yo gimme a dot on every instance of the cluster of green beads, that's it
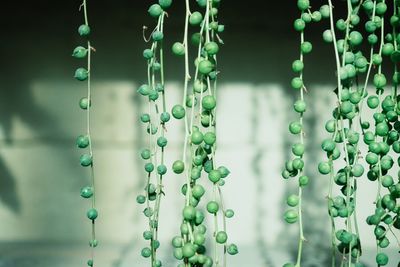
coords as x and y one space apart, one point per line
84 141
295 167
198 111
385 136
347 126
155 120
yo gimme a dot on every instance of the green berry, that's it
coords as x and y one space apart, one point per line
316 16
149 167
295 127
140 199
224 171
381 8
387 49
82 141
325 11
145 154
146 252
178 166
299 25
300 106
81 74
198 191
297 83
382 259
195 18
87 192
148 54
384 242
86 160
165 3
144 90
210 138
79 52
229 213
165 117
355 98
297 65
189 213
211 48
292 200
178 49
161 169
93 243
379 80
291 216
157 36
328 145
327 36
147 235
208 102
346 107
221 237
357 170
373 102
178 254
212 207
162 141
382 129
298 149
188 250
232 249
303 5
84 30
306 47
303 180
355 38
155 10
177 242
178 112
92 214
205 67
199 239
196 39
197 137
387 181
84 103
324 168
199 86
377 59
214 176
341 25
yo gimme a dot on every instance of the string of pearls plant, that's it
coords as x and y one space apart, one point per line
198 112
155 120
354 69
84 141
295 167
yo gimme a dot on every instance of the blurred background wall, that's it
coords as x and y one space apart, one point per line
40 176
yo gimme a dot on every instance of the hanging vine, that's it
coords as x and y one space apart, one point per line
198 111
155 120
349 124
84 141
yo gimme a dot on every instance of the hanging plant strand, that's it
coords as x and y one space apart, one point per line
295 167
155 120
349 124
84 141
198 111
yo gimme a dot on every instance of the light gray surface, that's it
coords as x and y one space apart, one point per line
68 255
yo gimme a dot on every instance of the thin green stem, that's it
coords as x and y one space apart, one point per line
88 109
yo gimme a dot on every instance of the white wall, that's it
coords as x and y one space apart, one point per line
252 132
